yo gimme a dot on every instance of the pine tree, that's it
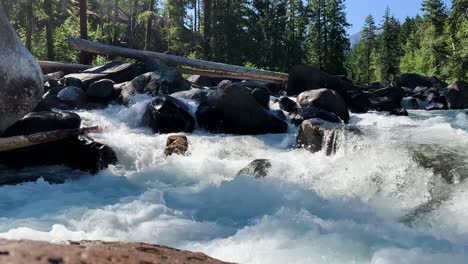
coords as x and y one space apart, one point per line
389 52
457 66
175 14
327 39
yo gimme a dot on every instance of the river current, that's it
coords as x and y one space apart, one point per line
384 197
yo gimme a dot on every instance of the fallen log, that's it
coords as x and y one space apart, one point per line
242 72
61 66
11 143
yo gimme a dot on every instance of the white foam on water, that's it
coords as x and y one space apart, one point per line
312 208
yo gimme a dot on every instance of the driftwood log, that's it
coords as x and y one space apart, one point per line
11 143
61 66
239 71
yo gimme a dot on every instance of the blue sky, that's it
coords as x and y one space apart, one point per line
358 10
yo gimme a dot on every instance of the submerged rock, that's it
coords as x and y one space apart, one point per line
21 81
327 100
166 114
197 95
457 95
451 164
34 252
233 109
177 144
258 168
288 105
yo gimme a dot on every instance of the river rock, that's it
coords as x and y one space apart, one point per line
42 122
177 144
325 99
21 81
457 95
80 153
412 81
194 94
116 71
162 82
288 105
50 101
73 96
262 97
166 114
316 135
306 77
258 168
101 91
233 109
94 252
72 81
313 112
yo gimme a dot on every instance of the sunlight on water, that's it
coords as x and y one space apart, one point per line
312 208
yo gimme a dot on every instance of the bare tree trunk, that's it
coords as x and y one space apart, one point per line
4 5
84 57
242 72
29 24
133 24
206 27
149 25
49 29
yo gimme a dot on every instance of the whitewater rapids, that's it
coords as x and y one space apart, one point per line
310 209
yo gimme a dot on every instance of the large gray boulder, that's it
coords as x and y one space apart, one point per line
21 81
325 99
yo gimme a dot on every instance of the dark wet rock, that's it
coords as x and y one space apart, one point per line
262 97
224 83
233 109
197 95
391 93
176 145
71 81
73 96
80 153
288 105
166 114
205 81
319 135
305 77
411 80
101 91
449 163
21 81
42 122
162 82
412 103
457 95
116 71
420 90
313 112
51 101
258 168
325 99
94 252
360 101
399 112
269 87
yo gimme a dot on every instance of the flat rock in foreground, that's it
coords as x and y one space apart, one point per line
91 252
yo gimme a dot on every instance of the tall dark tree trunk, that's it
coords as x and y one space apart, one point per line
206 27
133 24
29 24
84 57
149 25
49 29
4 5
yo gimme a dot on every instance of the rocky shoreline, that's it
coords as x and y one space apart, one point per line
94 252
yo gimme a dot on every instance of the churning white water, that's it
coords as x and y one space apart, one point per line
312 208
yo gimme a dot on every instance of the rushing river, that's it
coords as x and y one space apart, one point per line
354 207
